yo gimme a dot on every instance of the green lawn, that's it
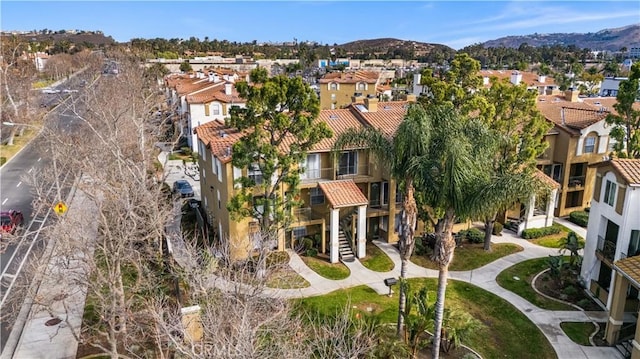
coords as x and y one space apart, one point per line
286 278
507 332
335 271
579 332
471 256
554 240
376 259
526 271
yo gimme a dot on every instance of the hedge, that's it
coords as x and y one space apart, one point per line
473 235
580 218
533 233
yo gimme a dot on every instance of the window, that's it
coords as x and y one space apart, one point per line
634 243
214 169
216 109
590 144
219 169
574 199
311 167
374 196
333 86
399 195
317 196
396 226
348 164
299 232
219 200
610 193
362 86
385 193
255 174
333 97
333 106
237 174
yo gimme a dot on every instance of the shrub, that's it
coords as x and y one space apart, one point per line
311 252
580 218
277 259
3 160
533 233
584 303
497 229
187 151
473 235
307 243
570 291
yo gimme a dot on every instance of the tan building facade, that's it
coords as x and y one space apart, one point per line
338 89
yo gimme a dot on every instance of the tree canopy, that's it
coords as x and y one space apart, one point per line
626 123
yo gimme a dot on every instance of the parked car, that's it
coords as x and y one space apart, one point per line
10 221
183 188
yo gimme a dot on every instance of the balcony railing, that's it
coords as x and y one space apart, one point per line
606 248
576 181
351 171
311 175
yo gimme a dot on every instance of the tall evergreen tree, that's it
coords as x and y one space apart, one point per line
626 123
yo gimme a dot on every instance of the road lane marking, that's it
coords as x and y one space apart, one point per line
39 158
30 169
19 183
5 201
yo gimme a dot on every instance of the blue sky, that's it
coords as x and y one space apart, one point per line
453 23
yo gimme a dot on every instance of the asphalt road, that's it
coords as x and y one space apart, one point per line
16 193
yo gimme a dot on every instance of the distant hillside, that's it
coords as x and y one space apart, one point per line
90 37
389 45
607 39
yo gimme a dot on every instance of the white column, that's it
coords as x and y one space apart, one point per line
333 234
362 231
551 205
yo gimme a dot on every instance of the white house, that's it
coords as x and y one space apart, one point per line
613 232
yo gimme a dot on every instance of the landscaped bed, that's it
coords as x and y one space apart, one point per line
321 265
376 259
580 332
507 332
555 240
470 256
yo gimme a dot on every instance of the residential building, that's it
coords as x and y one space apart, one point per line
634 52
345 199
543 85
200 98
611 265
337 89
578 139
609 86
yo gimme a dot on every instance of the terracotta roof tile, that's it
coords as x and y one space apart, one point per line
387 118
546 179
350 77
528 78
630 267
217 92
338 121
219 138
572 116
629 169
343 193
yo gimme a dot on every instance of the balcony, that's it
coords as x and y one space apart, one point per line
312 176
576 181
357 173
606 248
305 216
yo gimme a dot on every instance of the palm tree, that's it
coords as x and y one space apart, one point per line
398 151
451 173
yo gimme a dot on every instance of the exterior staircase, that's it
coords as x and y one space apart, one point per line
344 249
625 347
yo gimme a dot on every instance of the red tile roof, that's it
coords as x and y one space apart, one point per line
528 78
629 169
572 116
219 138
343 193
216 93
338 121
546 179
387 118
350 77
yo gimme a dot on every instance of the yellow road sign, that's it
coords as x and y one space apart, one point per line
60 208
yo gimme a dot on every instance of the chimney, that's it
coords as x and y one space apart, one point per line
357 98
215 77
516 77
210 76
542 78
485 80
571 95
371 104
227 89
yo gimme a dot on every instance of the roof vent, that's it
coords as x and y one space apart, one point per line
597 103
386 107
542 100
222 134
333 117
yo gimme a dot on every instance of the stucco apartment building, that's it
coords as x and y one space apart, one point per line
346 200
338 88
611 265
202 97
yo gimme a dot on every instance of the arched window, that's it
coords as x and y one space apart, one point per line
362 86
591 143
333 86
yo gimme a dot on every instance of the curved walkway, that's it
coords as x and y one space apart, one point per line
484 277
